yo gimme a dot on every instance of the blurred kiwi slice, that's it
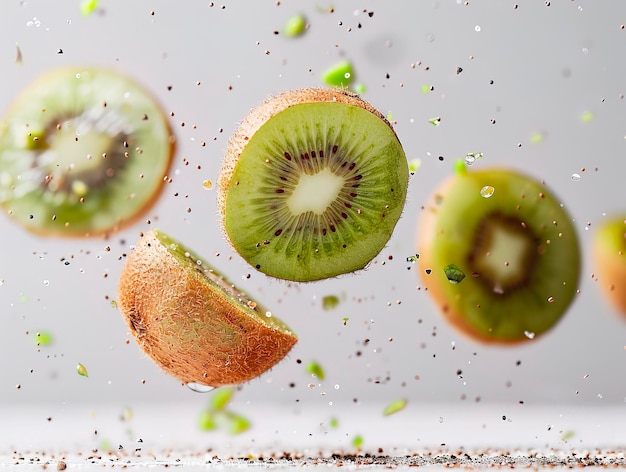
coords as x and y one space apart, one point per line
609 255
191 321
312 184
83 152
499 254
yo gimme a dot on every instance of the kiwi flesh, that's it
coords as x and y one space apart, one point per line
83 152
191 321
312 185
517 248
609 253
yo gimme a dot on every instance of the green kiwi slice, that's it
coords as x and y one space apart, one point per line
191 321
83 152
609 254
499 255
312 185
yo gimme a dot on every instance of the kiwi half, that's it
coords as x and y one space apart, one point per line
515 245
312 185
609 252
83 152
191 321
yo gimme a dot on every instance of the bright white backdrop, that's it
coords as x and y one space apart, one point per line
533 69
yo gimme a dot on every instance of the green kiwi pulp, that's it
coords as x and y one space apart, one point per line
312 185
191 321
83 152
515 245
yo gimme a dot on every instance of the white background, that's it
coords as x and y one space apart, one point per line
548 64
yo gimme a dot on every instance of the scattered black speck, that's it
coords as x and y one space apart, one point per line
60 51
441 158
459 70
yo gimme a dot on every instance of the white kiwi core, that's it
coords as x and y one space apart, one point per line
315 192
504 255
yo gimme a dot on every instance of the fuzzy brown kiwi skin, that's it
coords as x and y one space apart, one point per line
192 332
271 107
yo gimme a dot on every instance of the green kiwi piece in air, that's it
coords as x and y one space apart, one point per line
312 185
499 255
83 152
609 254
191 321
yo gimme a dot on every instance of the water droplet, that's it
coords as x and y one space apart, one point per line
477 28
207 184
487 191
199 388
585 50
575 177
529 334
347 75
600 396
441 419
472 157
336 386
550 299
46 283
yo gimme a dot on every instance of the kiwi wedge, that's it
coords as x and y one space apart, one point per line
83 152
498 254
312 185
609 253
191 321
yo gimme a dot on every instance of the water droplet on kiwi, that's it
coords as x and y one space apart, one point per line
487 191
199 388
529 334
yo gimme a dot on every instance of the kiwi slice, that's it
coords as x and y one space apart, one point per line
498 254
609 252
191 321
312 185
83 151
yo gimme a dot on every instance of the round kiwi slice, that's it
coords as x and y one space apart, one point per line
609 252
499 255
191 321
83 151
312 185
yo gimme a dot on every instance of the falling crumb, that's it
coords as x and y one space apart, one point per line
357 441
454 274
81 370
395 406
87 7
339 75
295 26
221 398
315 369
330 302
